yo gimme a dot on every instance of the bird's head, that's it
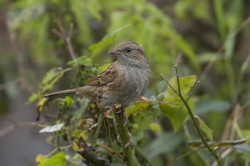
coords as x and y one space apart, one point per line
130 53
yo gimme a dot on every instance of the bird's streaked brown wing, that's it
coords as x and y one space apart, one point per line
106 77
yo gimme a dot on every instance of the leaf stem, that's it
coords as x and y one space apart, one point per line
199 130
191 114
99 125
108 133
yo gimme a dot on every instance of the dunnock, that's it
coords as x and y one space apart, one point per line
123 82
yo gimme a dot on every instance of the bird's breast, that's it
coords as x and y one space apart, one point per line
133 82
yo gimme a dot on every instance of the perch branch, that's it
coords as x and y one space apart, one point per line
124 136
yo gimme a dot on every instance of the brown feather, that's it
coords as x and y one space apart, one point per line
106 77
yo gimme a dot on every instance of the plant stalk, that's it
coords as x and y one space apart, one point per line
99 125
124 136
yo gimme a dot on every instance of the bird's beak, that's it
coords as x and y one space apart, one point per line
115 52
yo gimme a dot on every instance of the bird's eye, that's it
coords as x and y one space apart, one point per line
128 50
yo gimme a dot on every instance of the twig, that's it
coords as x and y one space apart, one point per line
146 161
192 115
242 72
210 64
24 83
8 84
193 90
112 151
169 84
108 132
185 154
88 153
13 126
99 125
66 37
219 144
223 155
146 100
178 80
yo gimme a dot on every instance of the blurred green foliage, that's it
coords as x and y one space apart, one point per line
213 37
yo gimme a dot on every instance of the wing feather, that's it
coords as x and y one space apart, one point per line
106 77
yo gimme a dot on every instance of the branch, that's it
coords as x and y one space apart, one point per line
191 114
88 153
193 90
169 84
124 136
66 37
15 125
8 84
113 153
146 100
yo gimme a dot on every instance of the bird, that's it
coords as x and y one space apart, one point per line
123 82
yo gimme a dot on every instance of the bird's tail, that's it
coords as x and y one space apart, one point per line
62 93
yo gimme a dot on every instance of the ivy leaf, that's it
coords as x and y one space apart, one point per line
57 160
51 129
204 128
176 110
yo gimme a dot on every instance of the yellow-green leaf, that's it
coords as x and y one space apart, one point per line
177 115
57 160
175 110
135 108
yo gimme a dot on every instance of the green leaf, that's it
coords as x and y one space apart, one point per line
69 101
103 67
107 38
163 144
34 97
135 108
177 115
186 83
51 129
57 160
84 104
47 83
141 120
175 110
83 60
204 128
41 158
155 127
